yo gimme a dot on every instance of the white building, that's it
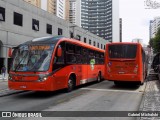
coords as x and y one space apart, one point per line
75 12
56 7
21 21
154 25
138 40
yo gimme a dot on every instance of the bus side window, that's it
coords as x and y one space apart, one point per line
91 56
70 54
102 58
98 56
84 56
78 54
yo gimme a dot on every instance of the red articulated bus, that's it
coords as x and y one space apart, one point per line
125 62
53 63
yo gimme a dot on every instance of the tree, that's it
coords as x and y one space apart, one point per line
156 42
151 43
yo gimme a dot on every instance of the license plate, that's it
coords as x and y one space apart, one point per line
121 72
23 86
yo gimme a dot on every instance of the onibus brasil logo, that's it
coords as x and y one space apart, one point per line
152 4
92 63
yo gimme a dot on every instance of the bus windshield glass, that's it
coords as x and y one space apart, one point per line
32 58
122 51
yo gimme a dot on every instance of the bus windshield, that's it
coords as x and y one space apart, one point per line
32 58
122 51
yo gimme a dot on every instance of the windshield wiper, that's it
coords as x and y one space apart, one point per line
20 62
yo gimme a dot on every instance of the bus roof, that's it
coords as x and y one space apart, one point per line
55 39
124 43
74 41
43 40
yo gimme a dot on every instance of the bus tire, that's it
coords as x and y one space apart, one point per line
99 78
71 84
117 83
141 83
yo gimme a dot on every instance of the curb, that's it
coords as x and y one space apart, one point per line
142 101
7 92
146 99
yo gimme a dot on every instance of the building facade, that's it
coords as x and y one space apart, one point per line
101 17
20 22
138 40
154 25
67 7
71 10
36 3
75 12
58 8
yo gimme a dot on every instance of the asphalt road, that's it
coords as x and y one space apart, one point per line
103 96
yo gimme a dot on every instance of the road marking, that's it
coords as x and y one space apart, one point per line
109 90
4 90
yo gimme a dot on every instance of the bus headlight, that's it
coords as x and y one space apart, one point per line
42 78
10 77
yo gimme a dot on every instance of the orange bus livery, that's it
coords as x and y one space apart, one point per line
53 63
125 62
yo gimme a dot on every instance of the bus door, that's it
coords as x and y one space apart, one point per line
59 68
84 66
78 63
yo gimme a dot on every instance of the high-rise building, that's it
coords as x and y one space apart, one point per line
75 12
58 7
34 2
154 25
101 17
120 28
67 7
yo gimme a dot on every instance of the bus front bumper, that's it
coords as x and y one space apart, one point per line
33 86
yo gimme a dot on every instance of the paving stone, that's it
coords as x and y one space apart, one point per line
151 98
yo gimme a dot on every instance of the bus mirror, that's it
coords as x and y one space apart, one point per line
59 52
10 52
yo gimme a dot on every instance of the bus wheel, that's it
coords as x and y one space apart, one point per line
99 77
116 82
70 84
141 83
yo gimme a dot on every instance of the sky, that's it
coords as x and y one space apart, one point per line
135 18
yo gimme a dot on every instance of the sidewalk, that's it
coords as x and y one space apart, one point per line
3 83
4 90
151 97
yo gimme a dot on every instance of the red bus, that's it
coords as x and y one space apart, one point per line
125 62
53 63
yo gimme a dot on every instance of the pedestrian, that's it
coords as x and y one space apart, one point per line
3 71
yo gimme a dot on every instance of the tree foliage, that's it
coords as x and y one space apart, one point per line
151 42
155 42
